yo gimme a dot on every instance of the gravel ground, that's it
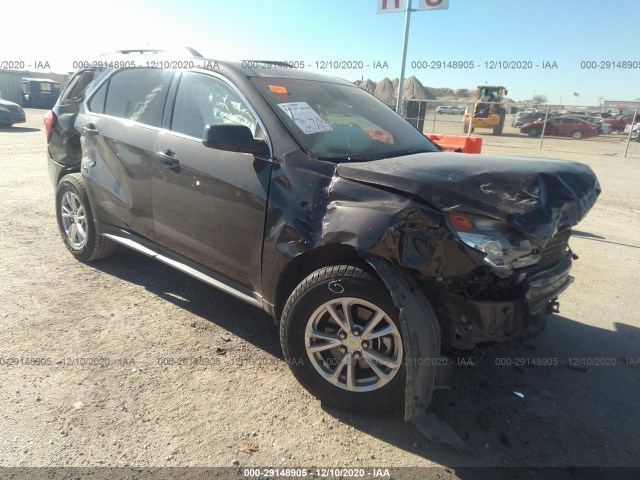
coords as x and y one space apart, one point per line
144 366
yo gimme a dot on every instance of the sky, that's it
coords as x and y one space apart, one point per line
561 34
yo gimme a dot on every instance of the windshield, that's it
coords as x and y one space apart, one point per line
340 122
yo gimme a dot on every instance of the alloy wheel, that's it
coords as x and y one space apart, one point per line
353 344
74 219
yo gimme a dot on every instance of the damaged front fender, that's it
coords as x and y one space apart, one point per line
311 208
421 335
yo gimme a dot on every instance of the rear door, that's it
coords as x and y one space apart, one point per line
119 131
210 205
64 141
570 125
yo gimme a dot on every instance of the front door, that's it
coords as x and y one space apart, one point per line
210 205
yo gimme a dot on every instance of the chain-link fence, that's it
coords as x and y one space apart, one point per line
508 124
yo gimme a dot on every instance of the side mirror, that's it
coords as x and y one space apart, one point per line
233 138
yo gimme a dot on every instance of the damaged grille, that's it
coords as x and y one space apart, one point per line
555 250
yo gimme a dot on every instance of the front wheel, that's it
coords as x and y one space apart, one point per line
75 221
533 132
341 337
577 135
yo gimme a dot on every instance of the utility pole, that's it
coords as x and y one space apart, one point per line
383 7
407 21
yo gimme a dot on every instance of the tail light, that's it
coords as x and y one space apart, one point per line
49 120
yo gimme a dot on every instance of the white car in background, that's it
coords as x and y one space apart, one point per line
450 109
634 130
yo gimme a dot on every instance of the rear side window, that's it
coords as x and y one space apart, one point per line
77 86
138 94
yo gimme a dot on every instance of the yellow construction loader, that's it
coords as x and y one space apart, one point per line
488 109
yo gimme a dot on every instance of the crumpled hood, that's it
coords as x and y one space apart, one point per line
537 196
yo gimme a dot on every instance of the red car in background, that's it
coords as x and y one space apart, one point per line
561 127
620 122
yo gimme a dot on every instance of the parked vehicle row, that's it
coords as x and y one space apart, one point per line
619 123
531 122
561 126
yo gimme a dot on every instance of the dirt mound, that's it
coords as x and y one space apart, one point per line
385 92
413 89
368 85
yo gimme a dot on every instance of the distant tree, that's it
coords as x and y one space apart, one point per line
539 99
463 93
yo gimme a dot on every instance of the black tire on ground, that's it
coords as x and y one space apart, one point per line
327 285
497 130
93 247
577 135
533 132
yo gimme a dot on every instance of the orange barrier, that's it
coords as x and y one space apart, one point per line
454 142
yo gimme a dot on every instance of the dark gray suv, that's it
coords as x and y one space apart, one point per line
375 252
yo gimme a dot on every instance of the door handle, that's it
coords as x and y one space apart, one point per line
168 159
90 130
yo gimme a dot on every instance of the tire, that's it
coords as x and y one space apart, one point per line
497 130
306 311
577 135
75 221
533 132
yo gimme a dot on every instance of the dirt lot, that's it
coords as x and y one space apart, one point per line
153 405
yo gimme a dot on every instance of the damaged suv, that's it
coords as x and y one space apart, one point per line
375 252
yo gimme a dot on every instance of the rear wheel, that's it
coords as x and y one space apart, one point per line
497 130
577 135
341 337
75 221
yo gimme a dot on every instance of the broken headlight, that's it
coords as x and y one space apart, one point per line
504 248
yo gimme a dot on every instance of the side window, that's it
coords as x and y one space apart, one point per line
96 102
203 100
138 94
77 86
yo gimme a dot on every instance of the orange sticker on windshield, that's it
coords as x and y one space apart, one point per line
278 89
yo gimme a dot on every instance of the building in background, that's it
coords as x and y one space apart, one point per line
12 89
620 106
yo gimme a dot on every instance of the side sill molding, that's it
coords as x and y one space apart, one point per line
127 242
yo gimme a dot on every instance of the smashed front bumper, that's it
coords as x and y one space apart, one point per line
468 324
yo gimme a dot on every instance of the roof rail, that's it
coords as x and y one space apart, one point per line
272 62
192 52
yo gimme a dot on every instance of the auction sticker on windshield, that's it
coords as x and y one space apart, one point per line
305 117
